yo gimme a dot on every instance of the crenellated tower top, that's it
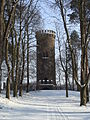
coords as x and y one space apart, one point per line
45 32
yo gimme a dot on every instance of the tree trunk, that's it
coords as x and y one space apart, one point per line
87 89
8 67
59 79
13 63
83 96
1 34
17 67
15 57
73 76
87 94
27 90
66 81
66 74
23 65
17 61
83 50
20 74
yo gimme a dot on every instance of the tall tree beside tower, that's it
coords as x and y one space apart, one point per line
84 27
1 33
84 44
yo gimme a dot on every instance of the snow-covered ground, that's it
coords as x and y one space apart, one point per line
44 105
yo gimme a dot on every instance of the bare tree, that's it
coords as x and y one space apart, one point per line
23 67
27 26
27 89
63 64
2 2
5 38
84 42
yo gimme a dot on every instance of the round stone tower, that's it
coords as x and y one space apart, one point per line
46 77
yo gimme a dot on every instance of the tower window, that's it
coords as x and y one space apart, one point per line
45 55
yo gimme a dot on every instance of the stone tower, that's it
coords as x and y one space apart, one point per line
46 77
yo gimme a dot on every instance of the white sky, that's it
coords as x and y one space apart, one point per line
51 16
46 15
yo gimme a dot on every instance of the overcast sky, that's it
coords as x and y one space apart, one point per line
50 16
47 14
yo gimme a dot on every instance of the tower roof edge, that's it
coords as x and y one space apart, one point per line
45 32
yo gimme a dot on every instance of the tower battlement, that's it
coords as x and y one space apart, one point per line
45 32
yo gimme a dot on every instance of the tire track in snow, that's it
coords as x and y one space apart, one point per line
58 114
60 111
55 112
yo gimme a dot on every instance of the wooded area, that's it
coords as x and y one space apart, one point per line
20 19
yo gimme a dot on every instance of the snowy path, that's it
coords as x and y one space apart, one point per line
55 113
44 105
